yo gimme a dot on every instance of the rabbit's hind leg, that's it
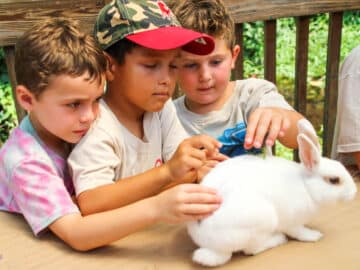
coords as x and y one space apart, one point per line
209 257
304 234
263 243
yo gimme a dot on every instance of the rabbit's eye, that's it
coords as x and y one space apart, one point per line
334 180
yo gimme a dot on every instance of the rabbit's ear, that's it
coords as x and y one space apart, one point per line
309 153
305 127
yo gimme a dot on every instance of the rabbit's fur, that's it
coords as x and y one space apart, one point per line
265 200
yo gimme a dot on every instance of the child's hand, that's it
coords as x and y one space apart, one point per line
267 121
210 164
191 155
186 202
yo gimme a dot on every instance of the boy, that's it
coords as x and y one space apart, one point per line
132 151
346 142
216 106
61 74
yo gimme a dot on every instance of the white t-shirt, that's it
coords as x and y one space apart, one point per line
109 151
347 128
248 95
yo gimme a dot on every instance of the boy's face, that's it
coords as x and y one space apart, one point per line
204 79
66 108
145 81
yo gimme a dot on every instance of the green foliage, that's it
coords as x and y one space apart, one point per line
8 119
253 49
283 152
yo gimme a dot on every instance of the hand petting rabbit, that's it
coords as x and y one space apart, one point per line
265 200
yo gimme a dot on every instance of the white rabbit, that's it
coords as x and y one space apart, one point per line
266 199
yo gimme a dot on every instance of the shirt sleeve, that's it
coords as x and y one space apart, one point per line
94 160
348 115
40 194
262 93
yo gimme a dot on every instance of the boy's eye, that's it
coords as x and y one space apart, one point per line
150 65
216 62
190 65
73 105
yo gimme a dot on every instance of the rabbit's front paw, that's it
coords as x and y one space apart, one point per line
210 257
305 234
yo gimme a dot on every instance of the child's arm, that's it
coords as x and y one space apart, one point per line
182 203
190 156
269 124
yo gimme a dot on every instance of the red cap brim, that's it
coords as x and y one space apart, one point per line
172 37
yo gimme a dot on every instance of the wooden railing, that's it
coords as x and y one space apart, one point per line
17 16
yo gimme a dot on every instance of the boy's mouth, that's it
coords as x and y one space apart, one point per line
161 94
81 132
205 88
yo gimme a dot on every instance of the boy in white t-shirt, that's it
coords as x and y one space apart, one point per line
242 114
346 143
137 147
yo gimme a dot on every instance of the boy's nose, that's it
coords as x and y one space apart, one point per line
88 115
165 77
205 74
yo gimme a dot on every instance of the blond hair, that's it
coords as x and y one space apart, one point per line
56 47
206 16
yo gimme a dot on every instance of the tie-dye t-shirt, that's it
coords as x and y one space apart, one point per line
34 180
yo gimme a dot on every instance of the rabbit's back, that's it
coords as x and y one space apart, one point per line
249 172
256 194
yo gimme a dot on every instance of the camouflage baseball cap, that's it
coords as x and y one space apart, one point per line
148 23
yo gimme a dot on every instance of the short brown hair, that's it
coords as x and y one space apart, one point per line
207 16
56 47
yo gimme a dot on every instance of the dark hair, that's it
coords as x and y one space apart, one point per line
54 47
120 48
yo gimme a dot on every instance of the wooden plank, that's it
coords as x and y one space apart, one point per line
270 55
238 72
331 86
262 10
270 50
10 64
18 16
301 60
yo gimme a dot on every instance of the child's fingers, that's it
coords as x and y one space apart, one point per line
201 198
251 128
199 209
274 130
279 125
211 163
262 129
217 157
196 217
198 158
204 142
285 126
194 188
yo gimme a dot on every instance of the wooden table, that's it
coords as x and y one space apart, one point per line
170 248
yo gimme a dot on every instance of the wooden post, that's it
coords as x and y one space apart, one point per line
331 85
10 63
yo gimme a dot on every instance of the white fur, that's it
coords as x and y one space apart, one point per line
266 199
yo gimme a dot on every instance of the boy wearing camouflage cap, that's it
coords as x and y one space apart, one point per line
137 147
